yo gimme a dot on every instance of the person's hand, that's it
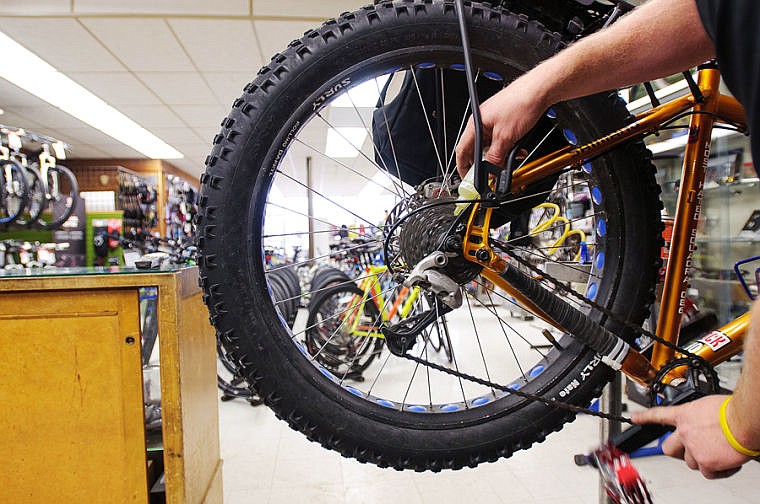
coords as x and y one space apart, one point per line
507 116
698 438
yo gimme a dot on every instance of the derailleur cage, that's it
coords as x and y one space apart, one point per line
401 337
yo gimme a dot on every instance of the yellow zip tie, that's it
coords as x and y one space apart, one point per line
730 436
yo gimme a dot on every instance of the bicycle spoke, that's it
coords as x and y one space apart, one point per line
358 149
301 233
312 190
307 261
504 331
400 190
302 331
427 121
385 169
477 339
317 219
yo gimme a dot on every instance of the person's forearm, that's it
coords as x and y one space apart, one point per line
660 38
742 414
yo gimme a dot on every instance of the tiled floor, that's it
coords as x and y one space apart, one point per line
266 462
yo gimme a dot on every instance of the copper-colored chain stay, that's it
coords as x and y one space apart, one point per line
633 327
477 248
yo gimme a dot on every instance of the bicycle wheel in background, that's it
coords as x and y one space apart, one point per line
36 201
13 191
62 192
342 330
408 415
230 381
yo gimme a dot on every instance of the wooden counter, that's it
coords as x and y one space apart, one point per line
71 424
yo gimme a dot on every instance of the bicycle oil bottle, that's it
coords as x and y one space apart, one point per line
466 191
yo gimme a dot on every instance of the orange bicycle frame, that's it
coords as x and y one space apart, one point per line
712 108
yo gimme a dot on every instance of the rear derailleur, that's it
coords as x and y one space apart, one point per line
400 337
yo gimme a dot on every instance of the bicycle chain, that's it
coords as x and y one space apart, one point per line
553 402
520 393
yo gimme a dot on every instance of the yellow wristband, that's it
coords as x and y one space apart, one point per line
730 436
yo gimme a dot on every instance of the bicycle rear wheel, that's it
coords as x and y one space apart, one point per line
406 415
342 331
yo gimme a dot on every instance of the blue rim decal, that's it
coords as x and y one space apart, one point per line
591 291
354 391
600 260
587 167
387 404
570 137
536 371
514 386
551 113
417 409
601 227
458 66
425 65
301 348
480 401
493 76
596 195
327 374
449 408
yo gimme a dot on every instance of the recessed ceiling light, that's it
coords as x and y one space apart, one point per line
31 73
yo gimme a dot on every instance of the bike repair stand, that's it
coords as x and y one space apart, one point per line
610 402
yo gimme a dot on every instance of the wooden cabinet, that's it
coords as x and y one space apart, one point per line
71 424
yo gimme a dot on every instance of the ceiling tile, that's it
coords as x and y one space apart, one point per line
274 36
116 88
228 86
82 151
179 88
195 150
10 94
208 133
219 45
120 151
177 136
189 7
201 115
190 166
146 45
154 116
50 116
63 43
11 118
36 7
323 9
86 136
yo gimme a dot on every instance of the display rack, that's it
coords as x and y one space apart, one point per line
154 170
